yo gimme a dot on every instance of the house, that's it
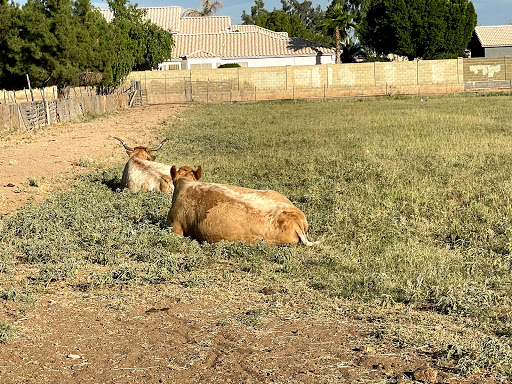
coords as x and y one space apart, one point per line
208 42
491 41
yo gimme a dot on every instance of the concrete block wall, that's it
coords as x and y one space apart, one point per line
488 69
330 80
351 75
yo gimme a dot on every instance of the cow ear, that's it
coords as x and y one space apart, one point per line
173 172
198 172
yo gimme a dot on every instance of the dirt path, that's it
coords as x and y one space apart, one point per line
228 331
53 157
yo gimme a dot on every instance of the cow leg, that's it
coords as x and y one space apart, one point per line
166 184
177 229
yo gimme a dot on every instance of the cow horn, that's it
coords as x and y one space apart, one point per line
158 146
124 144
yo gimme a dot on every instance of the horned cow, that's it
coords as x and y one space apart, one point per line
141 172
213 212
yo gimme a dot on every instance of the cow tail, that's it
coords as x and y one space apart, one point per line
303 238
301 232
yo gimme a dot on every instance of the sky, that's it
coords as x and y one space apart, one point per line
490 12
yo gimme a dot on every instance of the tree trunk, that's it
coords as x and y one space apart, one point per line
338 45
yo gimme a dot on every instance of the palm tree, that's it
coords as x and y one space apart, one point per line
352 51
208 8
338 20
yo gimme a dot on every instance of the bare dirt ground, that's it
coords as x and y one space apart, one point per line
233 330
52 156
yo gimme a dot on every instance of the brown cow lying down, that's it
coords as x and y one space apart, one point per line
142 173
214 212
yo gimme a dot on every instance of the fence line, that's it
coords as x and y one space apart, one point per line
44 106
326 81
40 113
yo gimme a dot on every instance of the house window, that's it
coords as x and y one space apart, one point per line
201 66
169 67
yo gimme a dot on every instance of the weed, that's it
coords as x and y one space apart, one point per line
7 260
7 332
18 296
56 272
124 273
492 353
251 318
193 280
34 182
468 300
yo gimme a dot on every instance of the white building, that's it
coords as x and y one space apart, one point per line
207 42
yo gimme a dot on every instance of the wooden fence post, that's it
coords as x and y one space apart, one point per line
29 87
47 112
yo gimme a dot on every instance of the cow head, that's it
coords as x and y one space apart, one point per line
142 153
185 173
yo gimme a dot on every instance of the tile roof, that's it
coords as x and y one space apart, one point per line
229 45
214 36
256 28
167 18
211 24
494 35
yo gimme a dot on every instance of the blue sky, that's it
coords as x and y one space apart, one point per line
490 12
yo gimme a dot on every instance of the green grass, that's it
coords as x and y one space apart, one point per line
412 199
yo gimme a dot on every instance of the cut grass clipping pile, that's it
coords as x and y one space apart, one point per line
412 199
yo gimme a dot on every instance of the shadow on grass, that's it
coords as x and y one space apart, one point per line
110 178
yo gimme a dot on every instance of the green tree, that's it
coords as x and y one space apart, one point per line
428 29
69 42
92 31
339 20
258 16
207 8
310 17
140 45
352 50
10 44
297 19
31 48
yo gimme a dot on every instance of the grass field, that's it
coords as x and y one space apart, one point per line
411 198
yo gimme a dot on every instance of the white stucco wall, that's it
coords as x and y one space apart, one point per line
251 62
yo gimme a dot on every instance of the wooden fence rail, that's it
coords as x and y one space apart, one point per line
37 114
